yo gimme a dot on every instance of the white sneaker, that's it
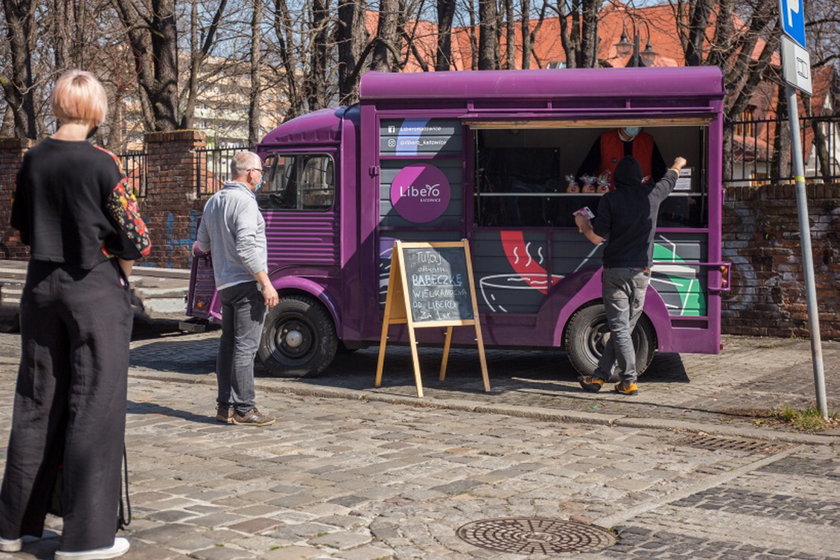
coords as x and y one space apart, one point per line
11 545
119 548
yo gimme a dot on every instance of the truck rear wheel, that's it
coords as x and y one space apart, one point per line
298 338
588 332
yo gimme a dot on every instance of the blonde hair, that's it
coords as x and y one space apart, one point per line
79 97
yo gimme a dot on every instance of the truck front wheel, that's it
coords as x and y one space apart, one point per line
588 332
298 338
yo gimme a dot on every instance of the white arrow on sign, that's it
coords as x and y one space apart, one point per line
793 7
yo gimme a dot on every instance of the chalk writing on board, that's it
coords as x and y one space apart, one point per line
438 284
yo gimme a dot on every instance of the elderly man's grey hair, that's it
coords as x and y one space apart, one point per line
242 162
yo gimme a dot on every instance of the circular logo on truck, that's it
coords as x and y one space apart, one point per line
420 193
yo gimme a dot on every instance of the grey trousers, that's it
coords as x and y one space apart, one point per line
243 312
70 404
623 291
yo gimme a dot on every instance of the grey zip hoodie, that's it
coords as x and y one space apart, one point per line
233 230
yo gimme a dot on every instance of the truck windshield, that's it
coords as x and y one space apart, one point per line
298 182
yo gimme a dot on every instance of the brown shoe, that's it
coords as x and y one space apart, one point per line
252 418
224 414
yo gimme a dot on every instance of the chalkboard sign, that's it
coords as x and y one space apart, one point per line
438 283
431 285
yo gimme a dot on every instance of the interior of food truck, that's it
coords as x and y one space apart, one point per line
530 176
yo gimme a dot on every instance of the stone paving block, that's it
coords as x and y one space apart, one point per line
341 540
291 553
144 551
176 536
255 525
217 519
170 515
222 553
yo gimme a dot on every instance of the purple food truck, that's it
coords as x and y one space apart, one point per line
484 156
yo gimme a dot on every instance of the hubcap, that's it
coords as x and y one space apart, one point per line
294 338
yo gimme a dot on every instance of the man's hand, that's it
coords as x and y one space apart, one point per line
270 296
679 163
581 221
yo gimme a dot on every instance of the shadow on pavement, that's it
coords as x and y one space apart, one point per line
153 409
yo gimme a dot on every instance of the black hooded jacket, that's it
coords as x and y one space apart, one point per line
626 217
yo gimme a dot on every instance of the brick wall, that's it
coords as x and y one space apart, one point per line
761 238
11 156
171 206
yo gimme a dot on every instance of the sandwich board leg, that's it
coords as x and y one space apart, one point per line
481 356
446 344
415 358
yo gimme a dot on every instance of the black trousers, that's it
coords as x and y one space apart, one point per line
70 404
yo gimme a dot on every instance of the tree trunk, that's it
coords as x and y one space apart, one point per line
589 34
445 15
488 42
19 88
349 37
510 35
386 50
284 31
164 32
316 79
254 132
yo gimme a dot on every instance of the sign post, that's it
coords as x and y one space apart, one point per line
431 285
796 69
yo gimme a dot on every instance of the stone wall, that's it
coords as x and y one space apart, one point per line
761 239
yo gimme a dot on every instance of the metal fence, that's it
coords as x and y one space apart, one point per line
757 145
213 168
135 169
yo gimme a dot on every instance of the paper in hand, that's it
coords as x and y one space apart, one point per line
585 211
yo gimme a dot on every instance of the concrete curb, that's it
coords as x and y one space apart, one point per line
536 413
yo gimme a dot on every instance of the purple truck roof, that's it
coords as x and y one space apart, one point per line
318 127
598 82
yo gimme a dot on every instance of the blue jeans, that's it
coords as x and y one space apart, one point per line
243 312
623 291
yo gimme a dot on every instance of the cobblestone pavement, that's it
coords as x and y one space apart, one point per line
379 477
749 378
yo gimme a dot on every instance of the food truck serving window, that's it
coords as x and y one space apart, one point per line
298 182
536 177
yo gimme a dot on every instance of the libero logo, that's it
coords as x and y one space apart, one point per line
420 193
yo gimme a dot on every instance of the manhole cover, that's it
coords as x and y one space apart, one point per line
527 535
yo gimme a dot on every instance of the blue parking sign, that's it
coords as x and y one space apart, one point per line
792 13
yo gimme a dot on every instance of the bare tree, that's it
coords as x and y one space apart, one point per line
445 16
19 85
579 31
349 37
529 35
488 39
153 35
386 44
254 132
201 43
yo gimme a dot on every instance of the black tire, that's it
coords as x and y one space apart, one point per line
585 337
298 338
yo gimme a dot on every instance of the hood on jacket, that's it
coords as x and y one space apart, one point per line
628 173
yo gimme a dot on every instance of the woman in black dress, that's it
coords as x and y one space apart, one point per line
79 217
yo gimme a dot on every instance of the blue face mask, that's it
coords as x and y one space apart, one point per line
632 131
258 186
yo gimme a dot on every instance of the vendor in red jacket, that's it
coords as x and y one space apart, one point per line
614 144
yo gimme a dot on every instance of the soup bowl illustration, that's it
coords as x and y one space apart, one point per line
515 293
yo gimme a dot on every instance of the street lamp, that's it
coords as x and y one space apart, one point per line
625 47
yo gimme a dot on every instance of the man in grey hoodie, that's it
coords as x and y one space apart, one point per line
233 231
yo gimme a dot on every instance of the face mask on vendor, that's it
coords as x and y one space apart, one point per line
628 133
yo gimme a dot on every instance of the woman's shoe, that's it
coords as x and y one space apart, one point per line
119 548
11 545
